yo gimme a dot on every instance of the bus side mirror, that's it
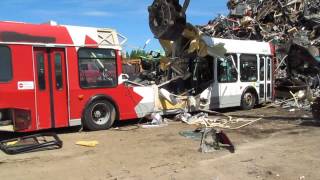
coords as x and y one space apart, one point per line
123 78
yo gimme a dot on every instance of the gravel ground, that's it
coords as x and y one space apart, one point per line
283 145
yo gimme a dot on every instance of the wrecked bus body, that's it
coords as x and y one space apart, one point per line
292 26
244 77
216 72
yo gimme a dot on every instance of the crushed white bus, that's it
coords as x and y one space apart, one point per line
244 77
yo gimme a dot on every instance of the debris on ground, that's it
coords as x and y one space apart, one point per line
210 139
213 140
222 121
31 143
87 143
157 121
192 134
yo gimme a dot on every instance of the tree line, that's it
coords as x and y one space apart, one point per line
135 54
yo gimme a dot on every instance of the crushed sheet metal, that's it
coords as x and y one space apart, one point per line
212 140
223 122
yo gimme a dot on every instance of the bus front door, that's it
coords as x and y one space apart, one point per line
51 88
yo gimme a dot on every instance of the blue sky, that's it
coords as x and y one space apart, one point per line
129 17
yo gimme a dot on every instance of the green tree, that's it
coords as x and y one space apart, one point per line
135 54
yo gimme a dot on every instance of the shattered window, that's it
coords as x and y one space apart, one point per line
227 69
97 68
5 64
248 68
132 69
203 71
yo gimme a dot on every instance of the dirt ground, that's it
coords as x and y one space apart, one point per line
284 145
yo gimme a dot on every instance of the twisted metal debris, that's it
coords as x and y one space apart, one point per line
292 26
278 21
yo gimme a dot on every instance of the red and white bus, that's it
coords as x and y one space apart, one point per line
54 76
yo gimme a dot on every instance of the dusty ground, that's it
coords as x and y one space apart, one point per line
285 145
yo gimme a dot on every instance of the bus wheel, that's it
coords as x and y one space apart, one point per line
99 115
248 100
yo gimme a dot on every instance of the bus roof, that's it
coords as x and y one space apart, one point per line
59 35
240 46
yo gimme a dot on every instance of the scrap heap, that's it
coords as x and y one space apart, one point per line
186 67
292 26
278 21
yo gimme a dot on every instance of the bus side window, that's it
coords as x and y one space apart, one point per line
262 68
248 68
97 68
269 60
41 71
5 64
58 71
226 69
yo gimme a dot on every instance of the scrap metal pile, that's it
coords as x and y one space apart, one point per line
293 26
187 61
278 21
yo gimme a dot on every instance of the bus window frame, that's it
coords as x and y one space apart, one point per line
61 86
257 66
116 83
11 65
234 65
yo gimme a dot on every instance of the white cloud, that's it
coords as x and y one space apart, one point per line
98 13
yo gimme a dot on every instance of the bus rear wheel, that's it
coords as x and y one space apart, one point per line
248 100
99 115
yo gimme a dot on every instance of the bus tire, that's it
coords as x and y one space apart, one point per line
248 100
99 115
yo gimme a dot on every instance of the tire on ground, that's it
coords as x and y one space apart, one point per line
248 100
99 115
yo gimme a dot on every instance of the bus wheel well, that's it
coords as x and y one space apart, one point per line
104 98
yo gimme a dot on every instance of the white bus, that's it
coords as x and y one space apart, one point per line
243 78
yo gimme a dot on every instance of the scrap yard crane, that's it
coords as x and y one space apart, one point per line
167 18
182 43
